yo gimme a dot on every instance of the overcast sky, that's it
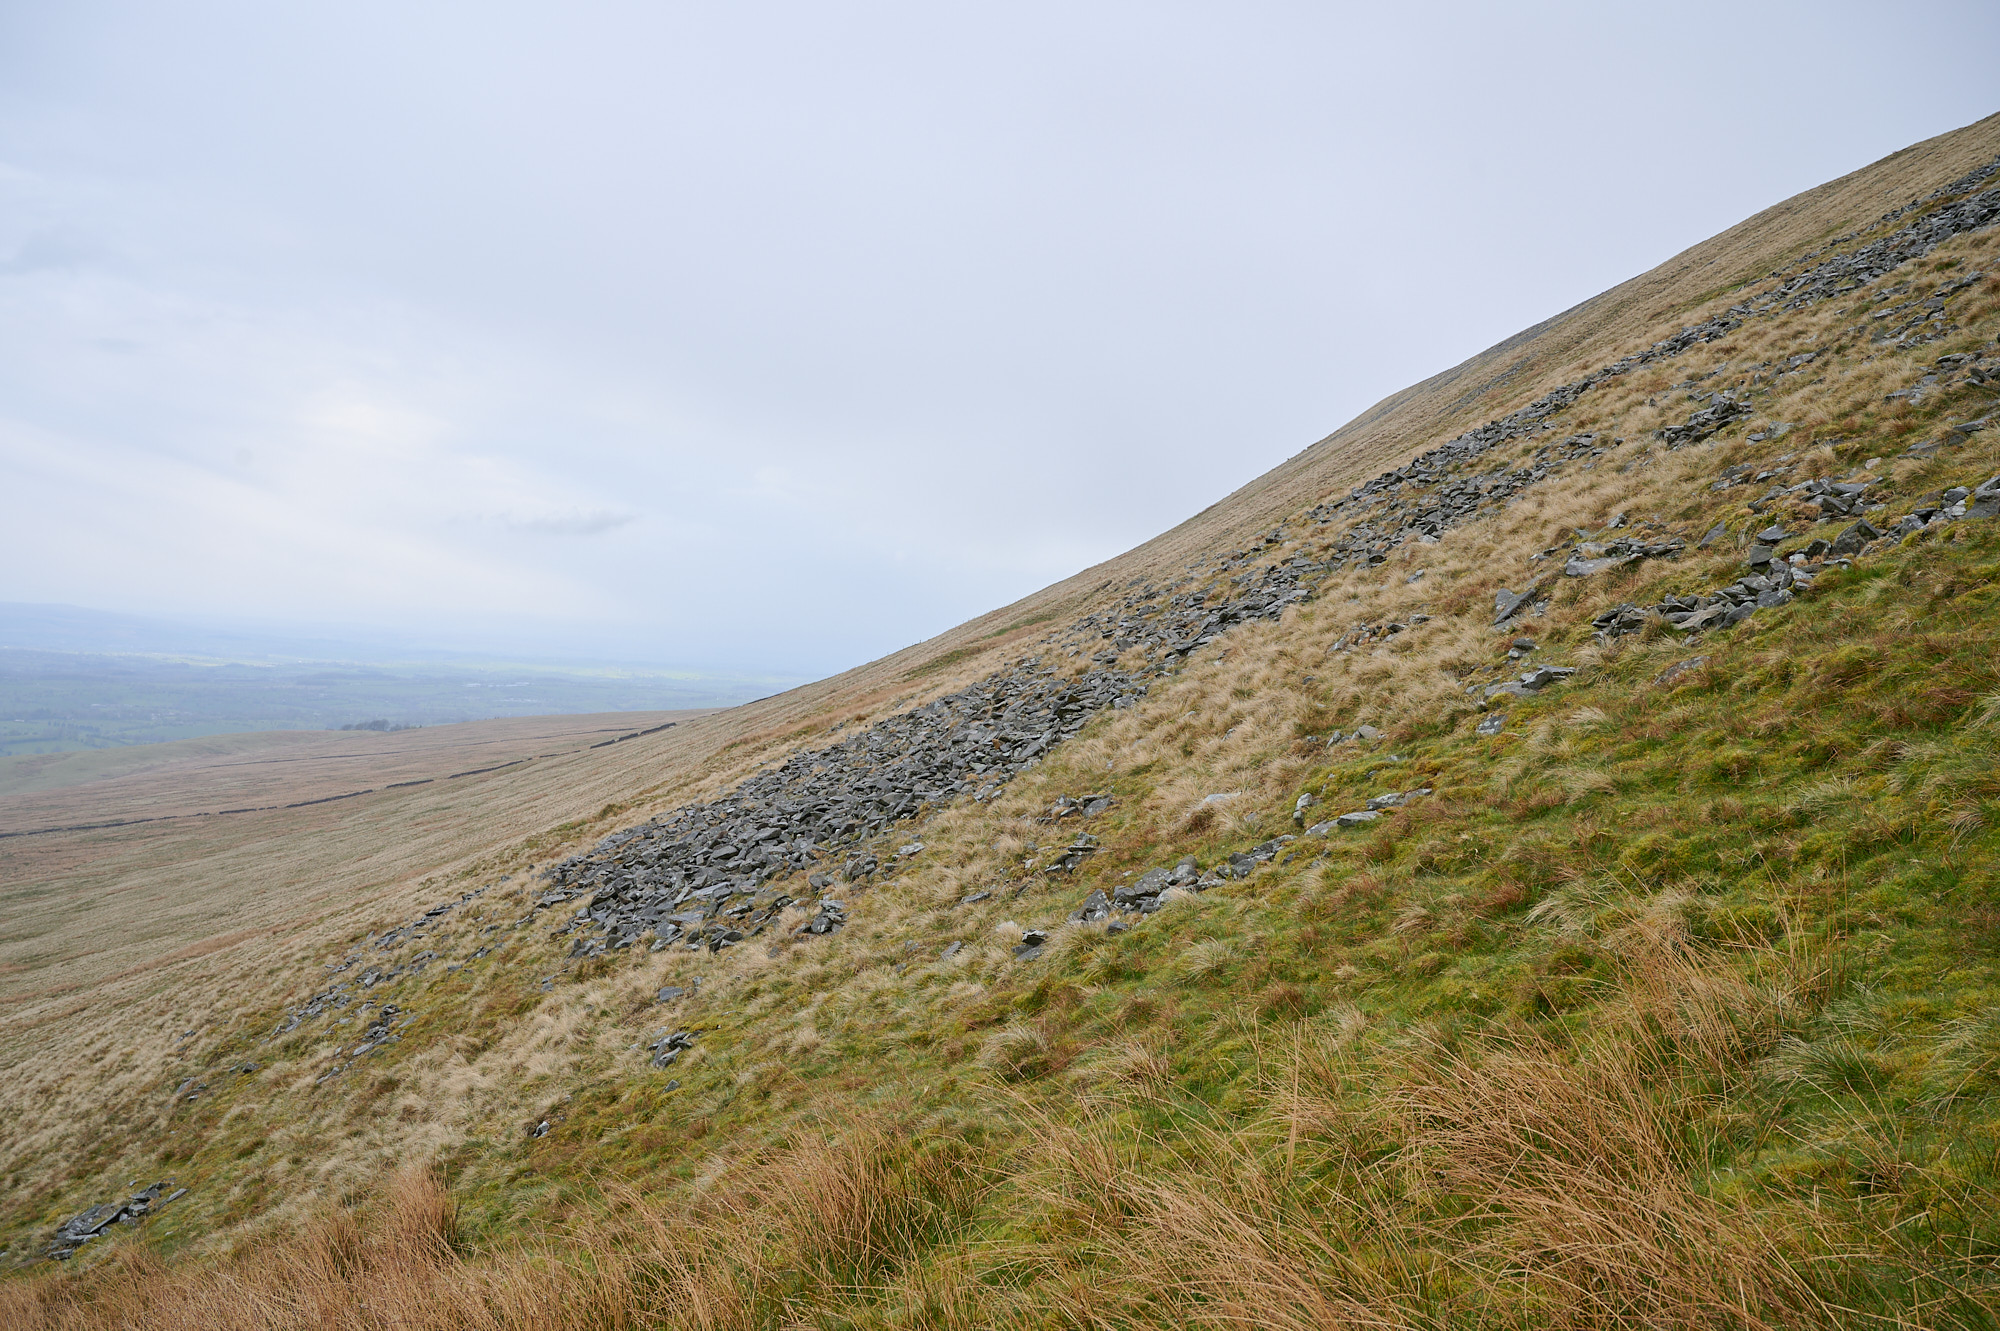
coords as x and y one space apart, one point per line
783 335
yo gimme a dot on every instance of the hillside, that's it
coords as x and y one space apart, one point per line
1529 860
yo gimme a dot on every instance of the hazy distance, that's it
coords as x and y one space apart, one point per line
74 679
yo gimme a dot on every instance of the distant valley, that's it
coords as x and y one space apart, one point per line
73 680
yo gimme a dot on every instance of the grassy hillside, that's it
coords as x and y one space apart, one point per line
1674 999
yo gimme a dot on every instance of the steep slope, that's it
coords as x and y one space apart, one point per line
1641 969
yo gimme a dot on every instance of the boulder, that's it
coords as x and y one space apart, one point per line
1853 538
1149 884
669 1047
96 1221
1506 604
1579 567
1984 502
1536 680
1031 944
1095 907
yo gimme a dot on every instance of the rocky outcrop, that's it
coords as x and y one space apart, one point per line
1434 492
1775 580
1721 409
703 876
1838 276
97 1221
1591 557
1386 519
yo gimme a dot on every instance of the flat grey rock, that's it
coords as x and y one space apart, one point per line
1507 604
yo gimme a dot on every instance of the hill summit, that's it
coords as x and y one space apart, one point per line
1529 860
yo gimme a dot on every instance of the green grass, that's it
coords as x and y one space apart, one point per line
1754 912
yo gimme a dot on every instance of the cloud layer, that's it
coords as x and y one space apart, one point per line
783 335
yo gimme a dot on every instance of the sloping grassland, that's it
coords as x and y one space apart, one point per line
1673 1001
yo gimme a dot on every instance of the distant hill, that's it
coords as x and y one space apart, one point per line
71 628
74 679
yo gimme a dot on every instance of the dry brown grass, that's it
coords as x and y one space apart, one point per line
1514 1183
817 1219
402 1271
1586 1173
1506 1182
